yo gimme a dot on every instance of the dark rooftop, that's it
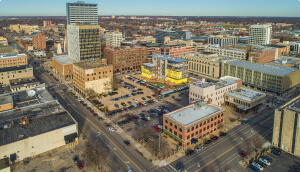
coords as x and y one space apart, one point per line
7 69
275 46
87 65
14 82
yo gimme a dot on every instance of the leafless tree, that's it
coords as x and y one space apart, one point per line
116 82
257 141
211 168
247 147
90 93
94 153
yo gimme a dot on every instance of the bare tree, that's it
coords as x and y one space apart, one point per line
211 168
108 86
116 82
257 141
94 153
90 93
247 147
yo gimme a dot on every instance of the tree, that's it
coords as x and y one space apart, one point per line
94 153
247 147
108 86
90 93
226 168
116 82
211 168
257 141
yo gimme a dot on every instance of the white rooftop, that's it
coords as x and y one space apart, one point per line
64 59
11 55
246 94
224 81
193 113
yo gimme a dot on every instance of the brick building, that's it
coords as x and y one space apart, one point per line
47 23
193 123
126 59
39 41
63 67
11 60
262 54
16 72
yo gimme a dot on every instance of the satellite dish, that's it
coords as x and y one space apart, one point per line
31 93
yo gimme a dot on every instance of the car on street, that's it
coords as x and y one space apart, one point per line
222 134
127 142
111 128
243 154
80 165
214 138
75 159
180 168
197 149
207 142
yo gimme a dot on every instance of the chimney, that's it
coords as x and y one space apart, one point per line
209 101
25 121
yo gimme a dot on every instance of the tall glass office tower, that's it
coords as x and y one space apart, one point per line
80 12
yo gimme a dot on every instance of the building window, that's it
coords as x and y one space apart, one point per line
188 130
171 124
180 129
166 127
170 130
192 135
188 137
192 128
175 133
204 123
214 129
207 127
218 116
196 132
221 120
166 121
211 125
180 136
212 119
221 115
200 124
200 131
175 126
196 126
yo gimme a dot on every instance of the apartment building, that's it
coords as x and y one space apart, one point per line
84 42
268 77
260 34
244 99
191 124
213 92
222 41
80 12
12 60
39 40
286 125
204 63
126 59
113 39
16 72
26 28
95 76
229 52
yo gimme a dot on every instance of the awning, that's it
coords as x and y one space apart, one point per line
194 141
70 136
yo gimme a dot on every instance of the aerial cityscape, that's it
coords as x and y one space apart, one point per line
149 86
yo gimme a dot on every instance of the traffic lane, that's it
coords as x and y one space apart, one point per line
134 156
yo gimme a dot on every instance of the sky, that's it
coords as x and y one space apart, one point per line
280 8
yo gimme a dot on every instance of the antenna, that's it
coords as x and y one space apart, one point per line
31 93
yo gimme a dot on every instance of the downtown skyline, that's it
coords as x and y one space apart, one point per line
279 8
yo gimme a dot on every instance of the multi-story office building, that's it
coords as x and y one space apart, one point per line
16 72
222 41
39 40
260 34
95 76
244 99
274 78
193 123
161 34
80 12
113 39
214 91
11 60
169 50
84 42
204 63
170 69
126 59
229 52
286 125
47 23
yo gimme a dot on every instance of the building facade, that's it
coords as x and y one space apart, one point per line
62 67
273 78
193 123
126 59
80 12
161 34
113 39
286 126
203 91
260 34
84 42
229 52
259 54
174 51
95 76
17 72
39 41
47 23
11 60
222 41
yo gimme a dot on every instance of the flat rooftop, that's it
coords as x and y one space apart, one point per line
264 68
5 99
88 65
36 126
14 82
245 94
193 113
169 58
149 64
64 59
224 81
8 69
11 55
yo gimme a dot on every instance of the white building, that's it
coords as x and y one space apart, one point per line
260 34
80 12
113 39
213 91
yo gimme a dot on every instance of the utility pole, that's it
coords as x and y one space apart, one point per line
159 144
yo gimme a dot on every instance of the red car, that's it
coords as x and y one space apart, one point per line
156 128
141 104
80 165
243 154
187 95
214 138
92 111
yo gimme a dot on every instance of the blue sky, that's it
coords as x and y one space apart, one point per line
284 8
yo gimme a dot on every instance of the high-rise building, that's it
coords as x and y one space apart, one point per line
80 12
113 39
260 34
160 34
39 41
84 42
222 41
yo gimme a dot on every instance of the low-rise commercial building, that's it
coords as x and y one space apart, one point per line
244 99
3 41
62 67
126 59
193 123
94 76
17 72
149 70
213 92
32 130
12 59
6 102
223 41
229 52
286 125
274 78
161 34
24 84
170 50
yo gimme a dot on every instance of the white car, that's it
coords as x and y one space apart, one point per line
144 103
155 100
166 111
264 161
199 148
160 126
158 108
135 101
111 128
134 105
257 165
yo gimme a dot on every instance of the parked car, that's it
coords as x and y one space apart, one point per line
207 142
267 158
254 168
214 138
222 134
160 126
261 163
156 128
111 128
80 165
189 152
197 149
275 152
257 165
264 161
75 159
243 154
127 142
277 149
116 105
137 122
180 168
